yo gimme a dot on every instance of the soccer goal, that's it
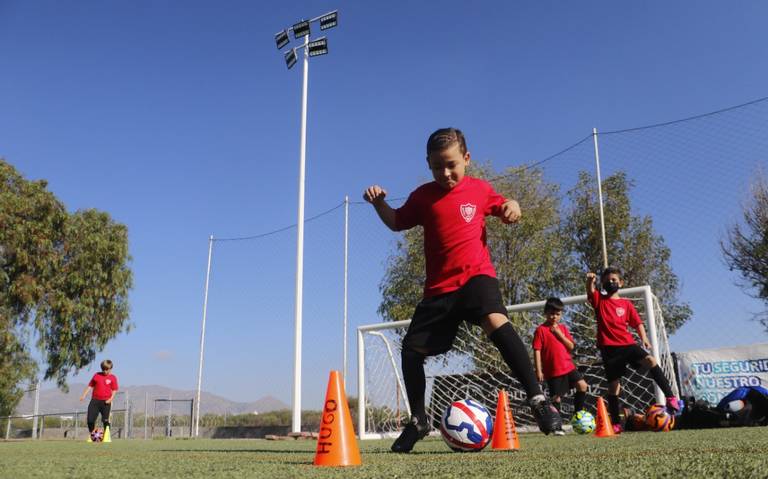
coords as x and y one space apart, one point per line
474 369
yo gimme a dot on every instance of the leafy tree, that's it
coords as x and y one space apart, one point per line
64 284
745 247
632 244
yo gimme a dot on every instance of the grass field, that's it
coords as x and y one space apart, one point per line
709 453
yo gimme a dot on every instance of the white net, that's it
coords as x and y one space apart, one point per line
474 368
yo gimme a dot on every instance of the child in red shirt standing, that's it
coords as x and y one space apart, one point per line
461 282
552 346
104 385
617 345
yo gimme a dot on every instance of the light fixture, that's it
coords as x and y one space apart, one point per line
329 20
290 58
301 29
281 39
318 47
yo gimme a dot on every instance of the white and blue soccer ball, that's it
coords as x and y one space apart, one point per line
466 426
583 422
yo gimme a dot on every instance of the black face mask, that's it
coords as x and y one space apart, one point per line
610 287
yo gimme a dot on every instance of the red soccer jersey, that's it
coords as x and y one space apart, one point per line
454 231
614 316
555 358
103 385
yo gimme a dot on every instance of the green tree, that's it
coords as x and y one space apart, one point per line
632 244
745 247
64 283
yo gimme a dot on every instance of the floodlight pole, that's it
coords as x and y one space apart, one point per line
296 420
600 198
202 342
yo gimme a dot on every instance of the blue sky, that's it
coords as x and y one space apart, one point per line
181 120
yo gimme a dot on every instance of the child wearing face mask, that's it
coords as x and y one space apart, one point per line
617 345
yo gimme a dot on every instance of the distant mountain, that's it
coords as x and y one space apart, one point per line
55 401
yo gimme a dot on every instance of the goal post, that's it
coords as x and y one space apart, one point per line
474 368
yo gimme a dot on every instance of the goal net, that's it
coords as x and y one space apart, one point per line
474 369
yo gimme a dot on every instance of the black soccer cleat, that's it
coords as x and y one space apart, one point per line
415 430
547 416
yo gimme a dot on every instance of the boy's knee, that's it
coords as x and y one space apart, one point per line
492 322
581 386
649 362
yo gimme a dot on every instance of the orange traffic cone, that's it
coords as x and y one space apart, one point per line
504 432
604 427
336 442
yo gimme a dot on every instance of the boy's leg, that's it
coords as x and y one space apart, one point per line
661 380
614 404
93 413
580 396
415 386
106 410
508 342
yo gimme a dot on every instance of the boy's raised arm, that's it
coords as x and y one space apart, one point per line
591 279
375 195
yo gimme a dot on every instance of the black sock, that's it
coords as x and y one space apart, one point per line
613 408
513 351
578 400
415 381
106 424
658 375
91 426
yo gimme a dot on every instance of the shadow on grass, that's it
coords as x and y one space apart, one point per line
276 451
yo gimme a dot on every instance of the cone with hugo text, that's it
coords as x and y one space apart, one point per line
604 427
504 431
107 436
336 442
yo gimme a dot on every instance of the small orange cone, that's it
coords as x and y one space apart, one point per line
504 432
604 427
336 442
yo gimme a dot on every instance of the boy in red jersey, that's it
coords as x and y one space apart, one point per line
552 346
104 385
617 346
461 282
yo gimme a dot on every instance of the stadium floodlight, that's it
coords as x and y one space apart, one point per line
300 29
310 48
290 58
329 20
281 39
317 47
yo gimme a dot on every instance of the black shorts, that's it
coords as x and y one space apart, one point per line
616 359
437 319
561 385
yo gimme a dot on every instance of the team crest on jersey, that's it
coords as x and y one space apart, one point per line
108 381
620 311
468 211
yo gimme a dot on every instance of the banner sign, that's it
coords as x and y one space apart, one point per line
711 374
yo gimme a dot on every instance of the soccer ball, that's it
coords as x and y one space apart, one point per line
658 419
466 426
97 435
583 422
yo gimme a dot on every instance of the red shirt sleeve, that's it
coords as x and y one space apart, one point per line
634 318
92 382
408 215
537 339
114 383
494 202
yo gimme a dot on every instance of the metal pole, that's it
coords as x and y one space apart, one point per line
146 412
346 279
600 198
35 434
360 384
202 336
650 313
296 420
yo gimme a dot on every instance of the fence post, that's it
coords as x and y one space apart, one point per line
8 429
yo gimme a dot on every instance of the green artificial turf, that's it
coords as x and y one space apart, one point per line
718 453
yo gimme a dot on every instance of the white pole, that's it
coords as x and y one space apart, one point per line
35 434
296 420
146 412
360 384
202 339
600 199
346 278
650 313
